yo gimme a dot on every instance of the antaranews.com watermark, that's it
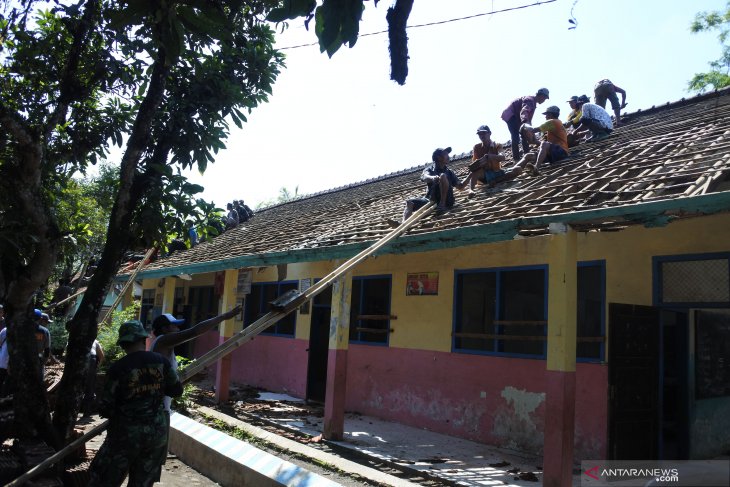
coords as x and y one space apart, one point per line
650 473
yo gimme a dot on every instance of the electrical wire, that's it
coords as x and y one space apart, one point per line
537 3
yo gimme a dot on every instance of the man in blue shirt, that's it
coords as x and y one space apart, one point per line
440 181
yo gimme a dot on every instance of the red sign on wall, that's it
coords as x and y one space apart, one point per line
422 284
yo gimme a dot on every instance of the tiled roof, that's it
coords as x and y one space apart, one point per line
678 150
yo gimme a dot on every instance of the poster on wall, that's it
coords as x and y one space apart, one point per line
243 287
304 284
243 284
422 284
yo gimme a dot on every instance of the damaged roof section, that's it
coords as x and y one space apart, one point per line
677 151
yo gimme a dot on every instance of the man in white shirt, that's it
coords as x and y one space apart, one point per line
595 120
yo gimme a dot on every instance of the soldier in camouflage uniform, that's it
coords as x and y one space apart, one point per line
136 441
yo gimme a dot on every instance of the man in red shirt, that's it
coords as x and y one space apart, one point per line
520 112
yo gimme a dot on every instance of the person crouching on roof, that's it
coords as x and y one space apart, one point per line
440 181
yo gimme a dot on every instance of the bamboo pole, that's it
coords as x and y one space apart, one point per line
241 337
126 285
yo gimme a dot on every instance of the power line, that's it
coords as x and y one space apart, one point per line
537 3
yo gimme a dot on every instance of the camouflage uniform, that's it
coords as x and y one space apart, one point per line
136 440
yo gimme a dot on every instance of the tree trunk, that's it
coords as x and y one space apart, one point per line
83 326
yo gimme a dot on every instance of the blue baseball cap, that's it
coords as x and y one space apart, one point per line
163 320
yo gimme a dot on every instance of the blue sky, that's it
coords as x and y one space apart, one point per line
332 122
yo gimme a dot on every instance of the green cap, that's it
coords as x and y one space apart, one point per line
131 331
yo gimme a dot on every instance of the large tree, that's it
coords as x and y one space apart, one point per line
719 74
159 78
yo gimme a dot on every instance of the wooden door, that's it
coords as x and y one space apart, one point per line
633 379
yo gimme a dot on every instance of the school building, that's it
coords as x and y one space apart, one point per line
580 314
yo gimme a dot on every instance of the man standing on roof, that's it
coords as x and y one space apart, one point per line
168 335
555 146
486 166
136 440
440 181
606 90
595 120
520 112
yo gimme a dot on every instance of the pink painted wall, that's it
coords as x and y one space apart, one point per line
438 391
443 392
273 363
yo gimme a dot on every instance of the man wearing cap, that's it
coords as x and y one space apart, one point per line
606 90
168 335
42 338
595 120
486 166
520 112
440 181
574 115
555 146
136 440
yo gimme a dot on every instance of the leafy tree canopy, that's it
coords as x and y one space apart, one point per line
719 74
161 80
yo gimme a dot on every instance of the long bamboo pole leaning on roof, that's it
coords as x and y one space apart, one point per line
297 299
127 284
243 336
79 293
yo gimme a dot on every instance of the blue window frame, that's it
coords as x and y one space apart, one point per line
692 280
501 311
257 305
370 309
591 315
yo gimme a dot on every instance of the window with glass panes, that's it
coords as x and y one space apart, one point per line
257 305
370 309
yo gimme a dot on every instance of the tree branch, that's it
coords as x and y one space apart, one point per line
68 85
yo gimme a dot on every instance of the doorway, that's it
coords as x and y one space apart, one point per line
319 333
648 365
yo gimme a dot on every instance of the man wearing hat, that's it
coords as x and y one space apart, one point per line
440 181
574 115
136 440
596 120
169 335
520 112
486 166
42 337
555 146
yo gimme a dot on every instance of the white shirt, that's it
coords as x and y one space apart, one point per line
93 348
597 113
167 401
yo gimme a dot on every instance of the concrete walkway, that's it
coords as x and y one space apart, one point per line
455 460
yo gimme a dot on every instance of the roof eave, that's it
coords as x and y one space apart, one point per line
650 214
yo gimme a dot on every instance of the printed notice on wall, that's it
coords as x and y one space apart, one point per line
243 284
422 284
304 284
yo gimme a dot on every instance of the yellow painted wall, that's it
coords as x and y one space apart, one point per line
425 322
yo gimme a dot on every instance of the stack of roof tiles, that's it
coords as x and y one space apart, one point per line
677 150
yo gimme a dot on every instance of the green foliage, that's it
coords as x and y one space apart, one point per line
59 335
183 402
719 74
109 333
